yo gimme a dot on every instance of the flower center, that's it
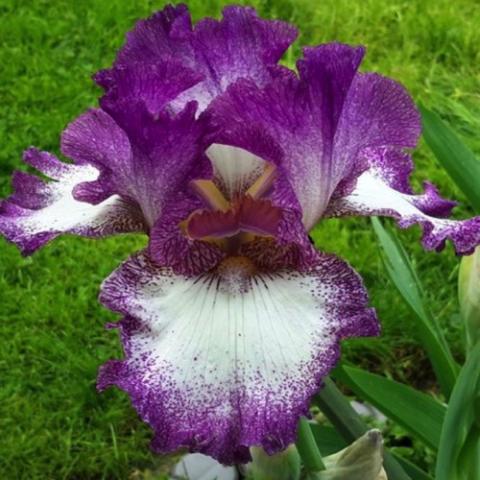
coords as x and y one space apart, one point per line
236 220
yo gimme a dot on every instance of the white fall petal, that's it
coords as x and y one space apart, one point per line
219 367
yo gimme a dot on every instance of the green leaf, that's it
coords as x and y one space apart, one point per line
457 159
329 441
459 452
401 270
428 330
418 413
416 473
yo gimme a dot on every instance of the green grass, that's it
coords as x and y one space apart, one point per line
53 424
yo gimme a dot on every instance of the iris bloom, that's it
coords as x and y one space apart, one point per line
226 160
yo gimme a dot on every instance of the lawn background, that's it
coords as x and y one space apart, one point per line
53 423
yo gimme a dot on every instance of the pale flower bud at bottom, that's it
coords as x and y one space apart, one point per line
469 295
362 460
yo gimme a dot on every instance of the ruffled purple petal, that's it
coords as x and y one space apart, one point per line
155 84
163 35
321 122
94 138
240 45
38 211
378 122
380 181
378 112
373 195
217 369
145 151
300 115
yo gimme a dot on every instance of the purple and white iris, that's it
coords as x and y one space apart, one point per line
226 160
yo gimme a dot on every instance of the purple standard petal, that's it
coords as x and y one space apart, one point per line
38 211
145 158
230 359
164 34
321 122
378 123
379 183
240 45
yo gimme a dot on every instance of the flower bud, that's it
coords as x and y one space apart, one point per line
285 465
469 295
362 460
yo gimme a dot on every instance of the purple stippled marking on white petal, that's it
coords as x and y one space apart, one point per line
39 210
218 369
45 162
373 196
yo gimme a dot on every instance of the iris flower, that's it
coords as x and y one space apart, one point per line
226 160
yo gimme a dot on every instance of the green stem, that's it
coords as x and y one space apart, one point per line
350 425
307 448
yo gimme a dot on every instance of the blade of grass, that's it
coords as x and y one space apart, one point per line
429 333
